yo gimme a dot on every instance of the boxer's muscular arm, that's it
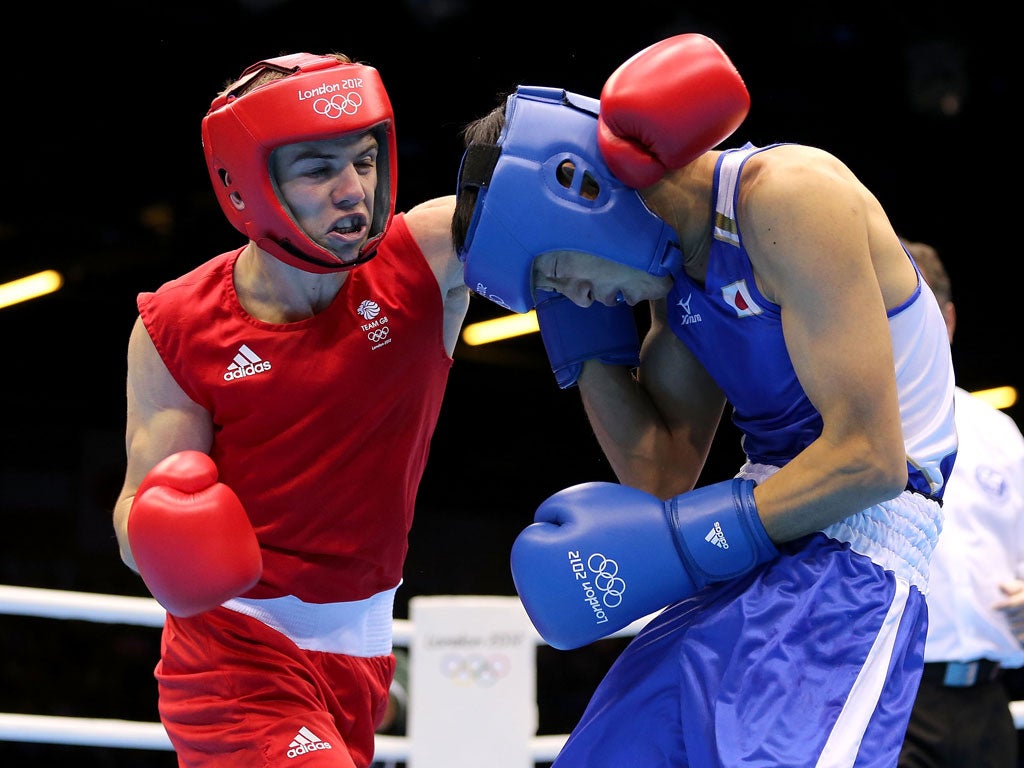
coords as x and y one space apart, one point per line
183 531
817 240
430 223
656 429
161 420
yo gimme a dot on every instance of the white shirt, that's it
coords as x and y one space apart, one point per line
982 540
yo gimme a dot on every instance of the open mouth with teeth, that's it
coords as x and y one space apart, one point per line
350 225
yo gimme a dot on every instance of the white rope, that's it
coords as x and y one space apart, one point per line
55 604
83 731
97 732
106 609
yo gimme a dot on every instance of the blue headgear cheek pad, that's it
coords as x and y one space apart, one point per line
528 206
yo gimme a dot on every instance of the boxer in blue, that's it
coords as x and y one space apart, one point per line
794 616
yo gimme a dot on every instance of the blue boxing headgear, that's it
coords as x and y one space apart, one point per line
528 204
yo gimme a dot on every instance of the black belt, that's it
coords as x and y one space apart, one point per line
962 674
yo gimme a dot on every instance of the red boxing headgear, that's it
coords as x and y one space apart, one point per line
318 98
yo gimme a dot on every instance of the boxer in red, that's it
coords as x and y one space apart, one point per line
281 401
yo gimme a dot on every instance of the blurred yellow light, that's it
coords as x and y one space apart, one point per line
500 328
30 287
998 397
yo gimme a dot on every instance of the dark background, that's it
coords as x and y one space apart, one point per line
104 180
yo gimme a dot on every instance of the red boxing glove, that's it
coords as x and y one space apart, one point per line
667 105
191 539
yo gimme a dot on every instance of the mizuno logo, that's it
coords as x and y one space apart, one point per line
688 317
716 536
306 741
246 363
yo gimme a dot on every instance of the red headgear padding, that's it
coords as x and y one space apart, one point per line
318 98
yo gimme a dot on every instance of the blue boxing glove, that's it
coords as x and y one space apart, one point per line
573 335
601 555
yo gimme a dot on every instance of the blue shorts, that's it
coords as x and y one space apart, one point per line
813 661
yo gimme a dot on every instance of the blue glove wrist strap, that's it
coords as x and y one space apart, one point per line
718 532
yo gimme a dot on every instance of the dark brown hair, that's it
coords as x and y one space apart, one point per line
484 130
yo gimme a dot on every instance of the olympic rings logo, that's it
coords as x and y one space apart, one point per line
606 579
475 669
378 334
338 105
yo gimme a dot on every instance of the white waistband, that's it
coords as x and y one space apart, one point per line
899 534
358 628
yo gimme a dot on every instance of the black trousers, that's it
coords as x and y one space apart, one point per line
960 728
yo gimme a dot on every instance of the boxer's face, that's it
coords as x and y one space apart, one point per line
329 187
584 278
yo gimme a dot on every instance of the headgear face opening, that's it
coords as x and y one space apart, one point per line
545 187
318 98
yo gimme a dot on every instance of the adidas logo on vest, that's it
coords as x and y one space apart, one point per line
246 363
306 741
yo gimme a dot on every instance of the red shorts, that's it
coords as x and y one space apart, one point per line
234 693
